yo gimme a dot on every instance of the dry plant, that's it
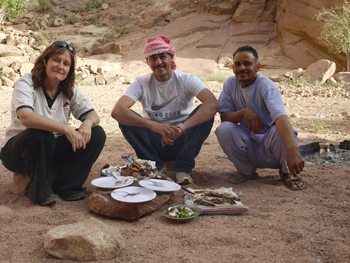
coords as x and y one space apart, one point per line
336 31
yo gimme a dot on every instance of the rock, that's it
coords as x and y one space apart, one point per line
295 115
113 79
225 8
6 81
82 73
88 240
343 77
293 74
10 54
100 79
20 183
6 214
10 40
102 203
93 68
57 22
120 48
226 62
332 80
7 71
104 6
38 36
278 78
249 11
20 27
55 2
320 71
26 68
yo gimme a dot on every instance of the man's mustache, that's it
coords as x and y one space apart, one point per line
159 66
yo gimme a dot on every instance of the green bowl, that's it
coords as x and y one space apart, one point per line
181 213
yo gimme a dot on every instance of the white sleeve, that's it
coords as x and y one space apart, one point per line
193 84
23 93
79 104
134 91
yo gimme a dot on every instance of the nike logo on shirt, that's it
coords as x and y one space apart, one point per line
154 106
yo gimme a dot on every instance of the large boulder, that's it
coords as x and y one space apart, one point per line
6 214
320 71
90 239
342 77
101 203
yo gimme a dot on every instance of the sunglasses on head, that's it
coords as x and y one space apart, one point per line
62 44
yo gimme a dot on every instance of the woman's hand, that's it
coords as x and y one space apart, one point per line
85 130
75 138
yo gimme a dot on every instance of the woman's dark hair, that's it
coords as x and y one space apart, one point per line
247 49
39 69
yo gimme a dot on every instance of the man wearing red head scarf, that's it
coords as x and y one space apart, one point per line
172 129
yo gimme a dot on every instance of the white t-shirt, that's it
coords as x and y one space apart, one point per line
169 102
24 96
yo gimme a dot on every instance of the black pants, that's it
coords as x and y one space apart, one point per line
50 162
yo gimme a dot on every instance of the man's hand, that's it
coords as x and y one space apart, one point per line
252 120
75 138
167 132
294 161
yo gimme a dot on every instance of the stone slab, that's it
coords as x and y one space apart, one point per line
101 203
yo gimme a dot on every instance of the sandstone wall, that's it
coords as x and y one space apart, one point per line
300 34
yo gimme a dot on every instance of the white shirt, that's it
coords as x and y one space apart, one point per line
24 96
168 102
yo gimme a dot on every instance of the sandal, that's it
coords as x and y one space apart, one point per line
293 183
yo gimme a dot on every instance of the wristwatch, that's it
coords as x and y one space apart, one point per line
181 126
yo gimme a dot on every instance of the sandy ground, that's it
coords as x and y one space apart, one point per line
311 225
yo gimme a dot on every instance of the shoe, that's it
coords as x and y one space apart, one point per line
52 199
183 178
75 196
292 183
239 178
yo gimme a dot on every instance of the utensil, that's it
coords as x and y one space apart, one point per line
155 183
126 193
118 181
188 190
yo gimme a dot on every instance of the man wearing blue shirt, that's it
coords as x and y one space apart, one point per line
255 131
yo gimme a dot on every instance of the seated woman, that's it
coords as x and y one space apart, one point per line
39 141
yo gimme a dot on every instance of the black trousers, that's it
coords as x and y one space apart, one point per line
50 162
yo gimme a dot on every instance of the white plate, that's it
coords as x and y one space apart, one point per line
143 196
164 185
110 183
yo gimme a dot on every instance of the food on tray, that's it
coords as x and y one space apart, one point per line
214 197
181 212
139 168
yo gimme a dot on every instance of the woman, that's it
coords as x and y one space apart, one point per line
39 141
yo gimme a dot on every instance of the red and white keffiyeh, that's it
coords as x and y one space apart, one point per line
157 45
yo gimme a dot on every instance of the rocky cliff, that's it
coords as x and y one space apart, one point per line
284 32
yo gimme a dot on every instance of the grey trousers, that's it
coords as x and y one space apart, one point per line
249 152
